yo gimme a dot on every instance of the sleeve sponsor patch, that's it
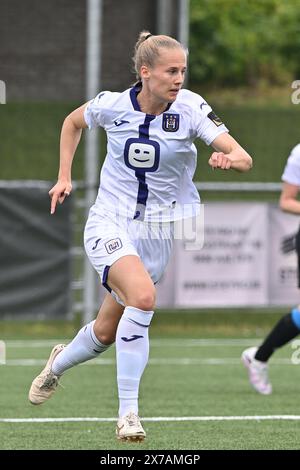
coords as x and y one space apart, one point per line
214 118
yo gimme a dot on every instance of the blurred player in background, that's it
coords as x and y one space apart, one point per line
146 177
288 327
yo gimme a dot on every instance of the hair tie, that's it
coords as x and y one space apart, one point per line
148 36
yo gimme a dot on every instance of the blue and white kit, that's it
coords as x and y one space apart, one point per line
146 176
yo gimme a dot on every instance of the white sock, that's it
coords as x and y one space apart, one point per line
132 349
83 347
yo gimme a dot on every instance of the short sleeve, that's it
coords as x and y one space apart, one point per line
209 125
93 113
291 173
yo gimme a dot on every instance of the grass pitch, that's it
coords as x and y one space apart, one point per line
194 395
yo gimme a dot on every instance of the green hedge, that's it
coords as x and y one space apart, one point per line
234 42
29 143
267 134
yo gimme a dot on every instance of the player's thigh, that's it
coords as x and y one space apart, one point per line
106 241
129 279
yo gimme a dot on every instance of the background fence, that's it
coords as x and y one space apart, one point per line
248 257
35 261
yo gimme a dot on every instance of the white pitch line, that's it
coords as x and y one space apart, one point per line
155 419
205 342
180 361
182 342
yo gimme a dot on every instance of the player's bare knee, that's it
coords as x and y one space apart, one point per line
144 300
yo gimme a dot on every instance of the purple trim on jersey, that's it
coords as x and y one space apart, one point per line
133 96
144 128
142 195
143 192
104 278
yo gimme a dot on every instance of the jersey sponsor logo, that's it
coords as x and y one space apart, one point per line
119 122
141 154
132 338
113 245
215 119
170 122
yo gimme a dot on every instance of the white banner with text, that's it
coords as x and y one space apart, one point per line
248 259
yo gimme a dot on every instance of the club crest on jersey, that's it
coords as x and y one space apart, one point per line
170 122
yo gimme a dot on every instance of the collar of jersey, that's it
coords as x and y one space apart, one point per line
133 96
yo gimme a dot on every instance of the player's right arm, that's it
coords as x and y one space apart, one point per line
69 140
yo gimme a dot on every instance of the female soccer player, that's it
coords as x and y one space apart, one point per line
288 327
146 182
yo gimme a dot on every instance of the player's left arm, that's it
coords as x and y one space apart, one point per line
229 154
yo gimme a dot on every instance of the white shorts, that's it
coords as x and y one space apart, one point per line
108 238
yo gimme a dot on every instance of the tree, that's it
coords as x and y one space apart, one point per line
239 42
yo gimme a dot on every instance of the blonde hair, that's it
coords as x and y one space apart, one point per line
146 50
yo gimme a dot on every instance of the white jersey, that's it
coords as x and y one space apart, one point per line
148 170
291 173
